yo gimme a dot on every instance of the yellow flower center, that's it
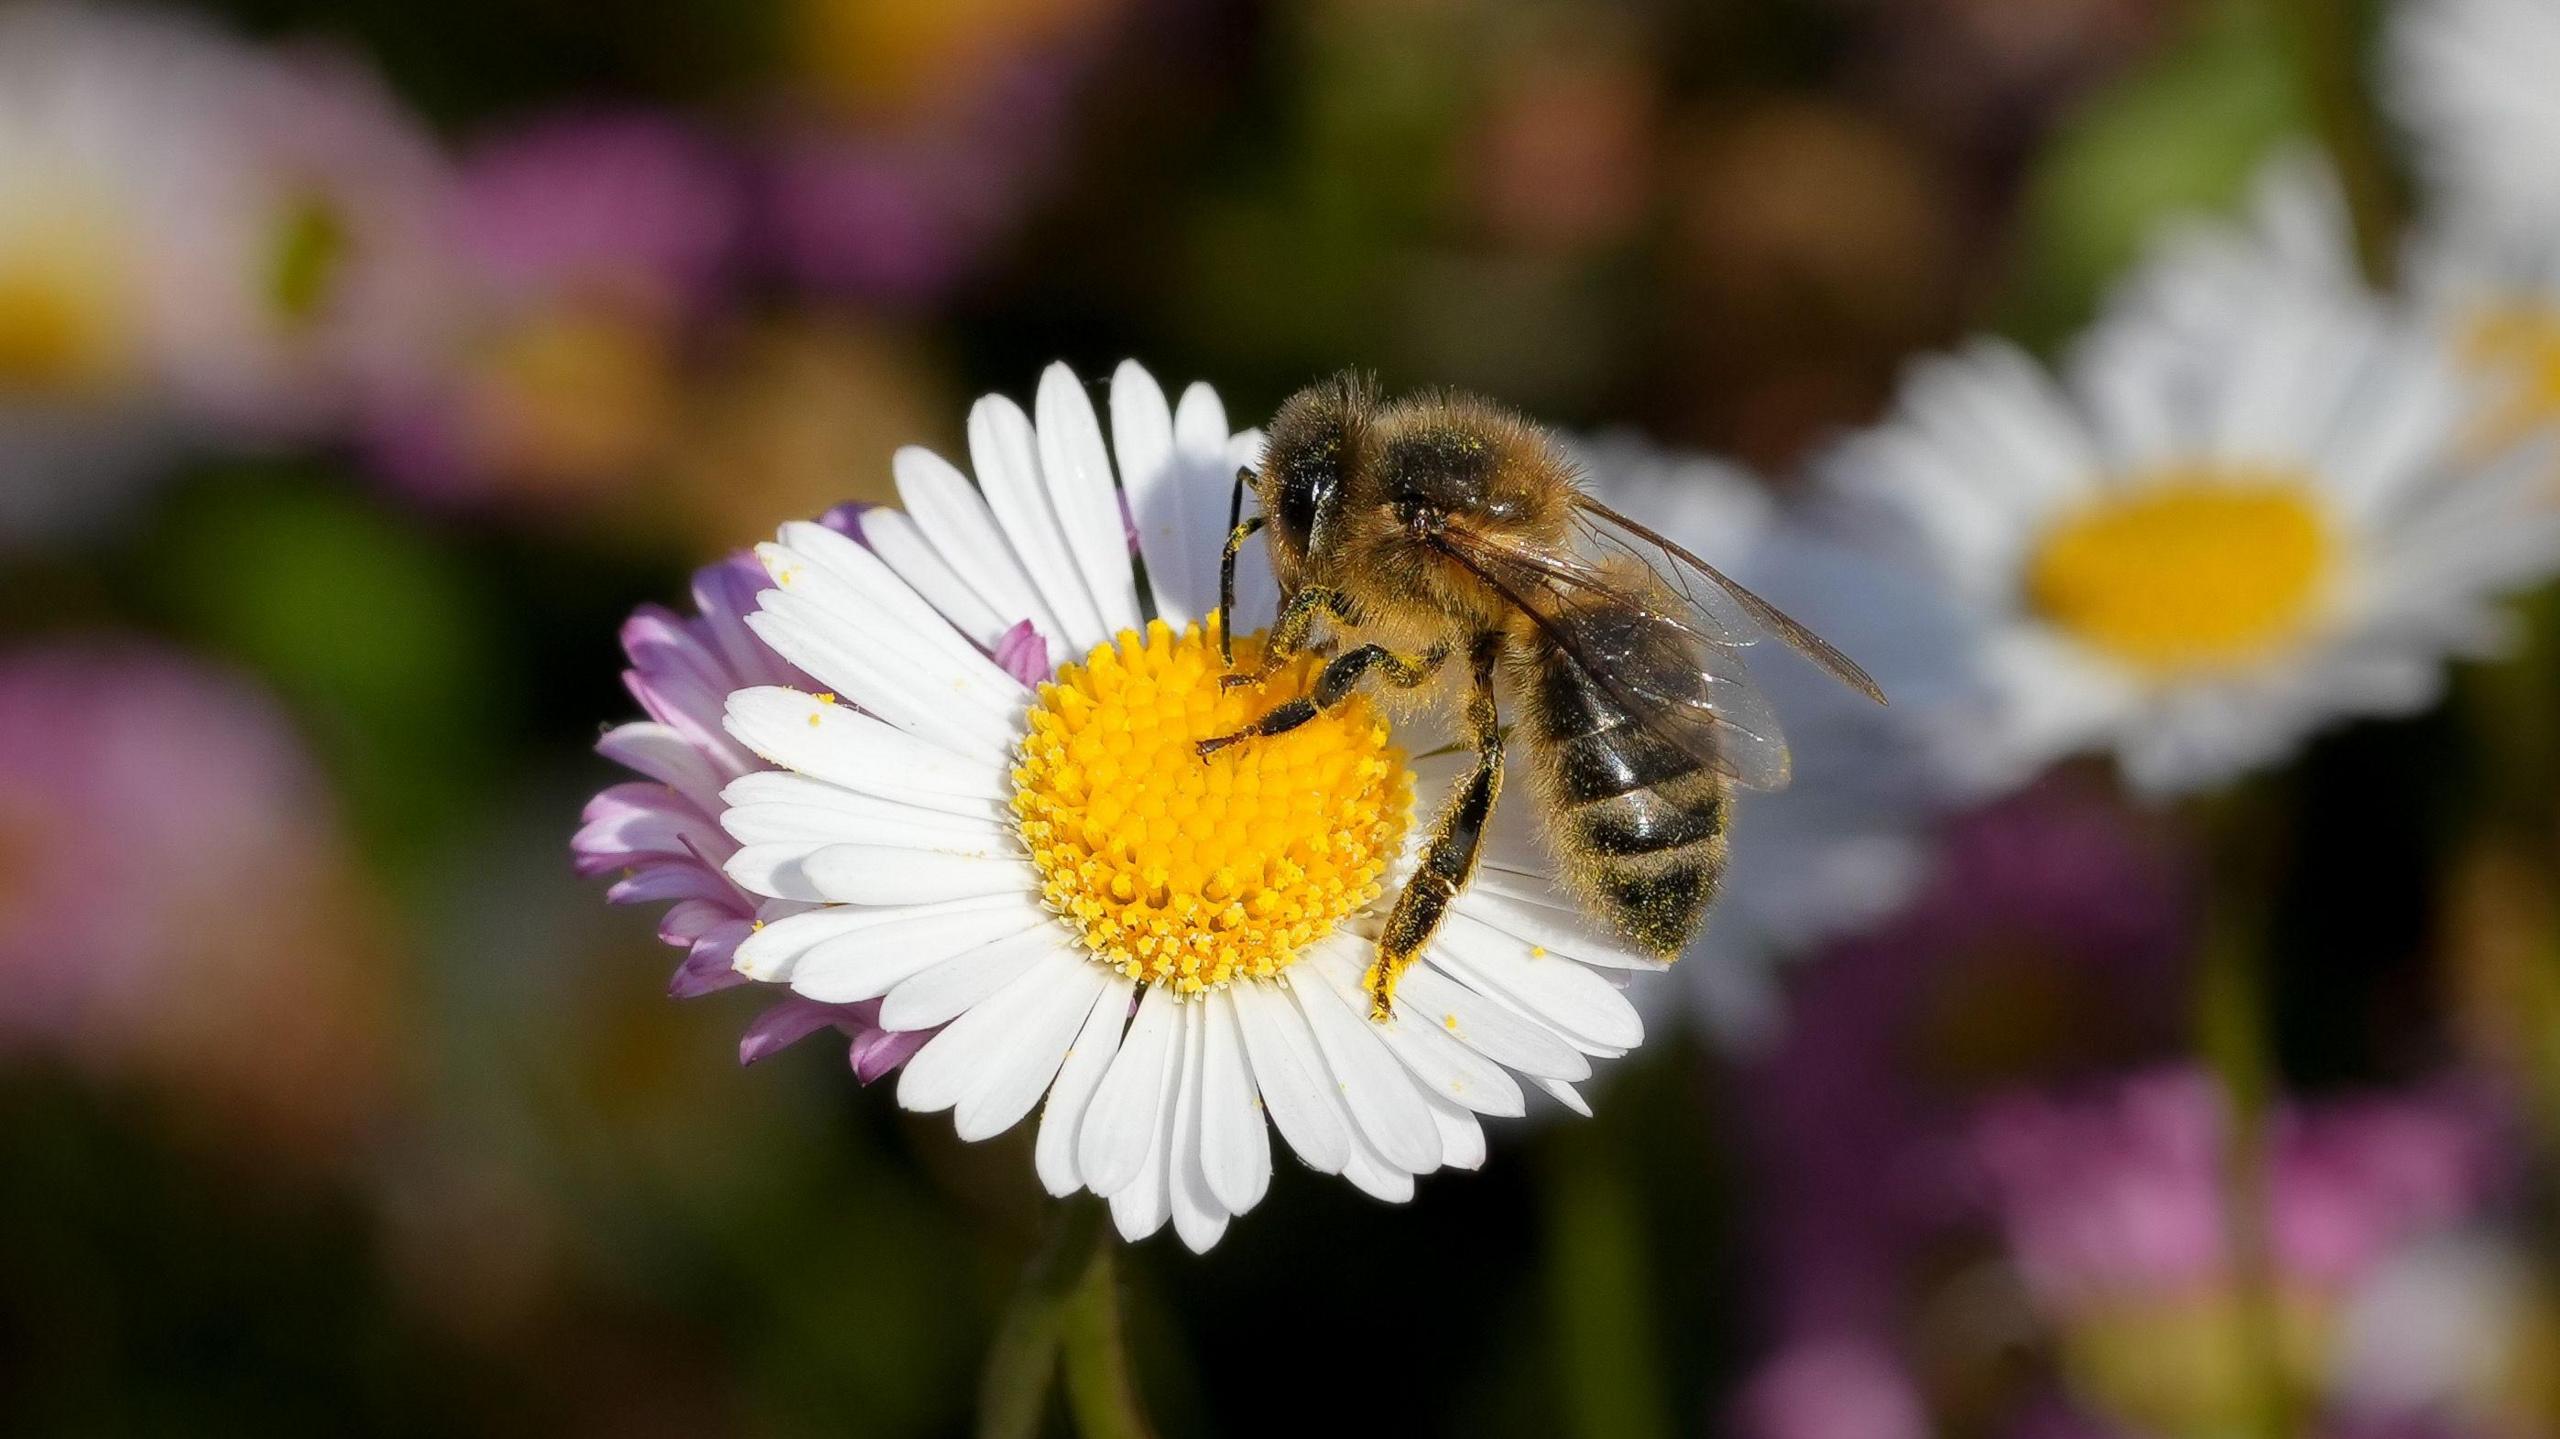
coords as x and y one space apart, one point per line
2517 348
1191 872
2195 571
65 309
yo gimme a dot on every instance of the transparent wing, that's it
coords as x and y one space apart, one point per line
1657 659
1725 606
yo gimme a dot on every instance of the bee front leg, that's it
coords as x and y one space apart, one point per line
1289 632
1334 683
1457 842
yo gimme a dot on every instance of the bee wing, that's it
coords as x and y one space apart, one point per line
1667 665
1735 610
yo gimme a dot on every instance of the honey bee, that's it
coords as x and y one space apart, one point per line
1444 528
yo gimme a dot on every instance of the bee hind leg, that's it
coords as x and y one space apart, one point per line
1334 683
1457 842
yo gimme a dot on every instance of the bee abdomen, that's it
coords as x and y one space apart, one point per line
1640 823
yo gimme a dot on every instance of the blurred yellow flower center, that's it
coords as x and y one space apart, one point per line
2517 347
1191 872
312 246
65 310
2189 572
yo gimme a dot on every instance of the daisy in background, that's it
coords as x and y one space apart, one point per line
197 238
1849 840
2470 82
2210 536
2489 291
95 165
1157 952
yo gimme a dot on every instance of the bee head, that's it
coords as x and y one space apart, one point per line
1314 443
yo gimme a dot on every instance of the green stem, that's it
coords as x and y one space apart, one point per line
2324 39
2234 1035
1608 1371
1067 1306
1102 1392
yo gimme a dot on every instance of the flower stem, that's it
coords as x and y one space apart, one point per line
1102 1392
1600 1302
2233 1034
2323 37
1067 1307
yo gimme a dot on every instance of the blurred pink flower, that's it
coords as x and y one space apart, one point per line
176 905
2120 1195
903 214
630 202
2048 944
662 833
587 248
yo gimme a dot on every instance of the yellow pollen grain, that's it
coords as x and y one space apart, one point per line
2194 571
1194 873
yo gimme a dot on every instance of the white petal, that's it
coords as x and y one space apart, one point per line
777 946
894 536
1063 992
1120 1121
990 1037
1174 540
1006 454
947 990
954 516
960 712
1088 1059
790 809
1374 1175
917 874
1443 1067
1560 993
1077 471
1565 1094
1493 1029
1461 1137
1564 933
1296 1088
1141 1207
867 962
1235 1145
1201 443
837 571
1199 1216
1382 1097
836 743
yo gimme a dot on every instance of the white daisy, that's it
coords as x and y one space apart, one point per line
1847 841
1167 949
2209 538
2490 290
2471 82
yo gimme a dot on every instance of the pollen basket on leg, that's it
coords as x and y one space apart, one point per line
1194 872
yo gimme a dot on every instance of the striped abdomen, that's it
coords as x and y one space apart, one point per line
1638 819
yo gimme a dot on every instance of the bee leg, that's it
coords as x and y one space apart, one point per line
1334 683
1289 632
1239 530
1457 841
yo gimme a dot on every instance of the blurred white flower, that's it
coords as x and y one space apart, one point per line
194 234
2226 526
1846 842
2489 289
2471 82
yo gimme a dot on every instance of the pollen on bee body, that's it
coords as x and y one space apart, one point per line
1195 872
